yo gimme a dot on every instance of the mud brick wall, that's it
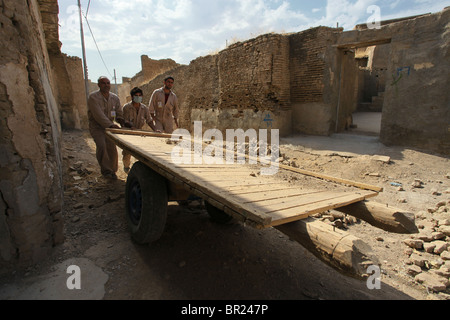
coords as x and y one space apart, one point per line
31 186
255 74
307 65
67 71
309 77
236 88
416 110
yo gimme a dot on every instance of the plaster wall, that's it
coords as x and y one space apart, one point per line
30 157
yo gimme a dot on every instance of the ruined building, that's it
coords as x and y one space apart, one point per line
311 82
31 188
308 82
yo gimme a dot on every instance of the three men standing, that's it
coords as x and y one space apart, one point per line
164 107
104 109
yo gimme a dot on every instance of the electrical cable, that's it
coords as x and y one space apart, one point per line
95 41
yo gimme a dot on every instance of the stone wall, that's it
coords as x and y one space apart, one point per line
416 110
150 69
30 157
308 82
244 86
310 77
67 71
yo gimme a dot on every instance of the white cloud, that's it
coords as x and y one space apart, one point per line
186 29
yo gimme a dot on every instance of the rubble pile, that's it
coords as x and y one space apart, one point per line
429 250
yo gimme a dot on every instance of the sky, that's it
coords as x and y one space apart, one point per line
118 32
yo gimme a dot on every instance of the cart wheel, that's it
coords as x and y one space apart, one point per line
146 203
217 215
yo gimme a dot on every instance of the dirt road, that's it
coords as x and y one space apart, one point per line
197 259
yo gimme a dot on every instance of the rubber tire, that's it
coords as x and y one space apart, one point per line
146 199
217 215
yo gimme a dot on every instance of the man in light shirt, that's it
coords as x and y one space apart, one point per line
104 110
136 115
164 108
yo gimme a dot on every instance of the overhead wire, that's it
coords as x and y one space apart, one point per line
95 41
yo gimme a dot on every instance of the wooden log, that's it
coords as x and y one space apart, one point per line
381 216
338 249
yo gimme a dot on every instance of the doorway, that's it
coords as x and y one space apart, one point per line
363 100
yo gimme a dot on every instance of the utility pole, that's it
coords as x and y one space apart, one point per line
86 83
115 81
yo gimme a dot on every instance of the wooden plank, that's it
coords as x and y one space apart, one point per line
279 204
224 186
333 179
326 177
265 188
206 191
266 196
275 186
298 213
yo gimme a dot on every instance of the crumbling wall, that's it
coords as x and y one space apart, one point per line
150 70
416 110
30 163
312 104
244 86
307 82
67 71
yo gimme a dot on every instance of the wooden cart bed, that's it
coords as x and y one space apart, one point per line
240 190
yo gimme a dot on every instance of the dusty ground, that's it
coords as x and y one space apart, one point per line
197 259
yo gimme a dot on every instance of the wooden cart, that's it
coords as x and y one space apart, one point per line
241 192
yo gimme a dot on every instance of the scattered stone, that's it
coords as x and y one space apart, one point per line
414 243
441 204
441 246
445 255
350 220
444 222
445 230
426 237
418 260
78 206
417 184
443 272
438 235
408 251
429 247
434 192
431 281
413 270
338 224
437 263
384 159
337 215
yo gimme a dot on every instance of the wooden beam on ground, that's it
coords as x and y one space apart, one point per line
337 248
381 216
